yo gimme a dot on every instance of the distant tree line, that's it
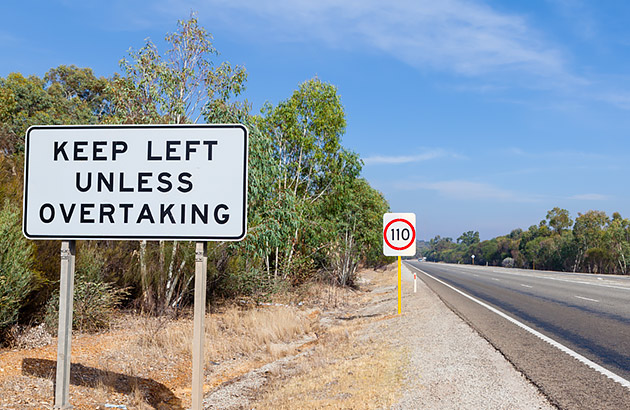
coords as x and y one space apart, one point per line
310 214
593 243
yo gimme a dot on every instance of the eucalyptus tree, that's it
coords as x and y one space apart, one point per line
178 87
588 230
306 132
617 237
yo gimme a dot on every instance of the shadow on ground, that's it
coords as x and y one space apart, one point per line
156 394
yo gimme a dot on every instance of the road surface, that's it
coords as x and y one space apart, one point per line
568 333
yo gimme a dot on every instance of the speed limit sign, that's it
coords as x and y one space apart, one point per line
399 234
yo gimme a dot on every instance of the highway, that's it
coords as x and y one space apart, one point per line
568 333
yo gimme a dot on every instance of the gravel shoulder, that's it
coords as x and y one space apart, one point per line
450 365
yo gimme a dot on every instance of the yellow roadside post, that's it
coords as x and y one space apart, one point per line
399 288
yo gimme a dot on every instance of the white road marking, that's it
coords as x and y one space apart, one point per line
589 299
495 279
526 286
575 355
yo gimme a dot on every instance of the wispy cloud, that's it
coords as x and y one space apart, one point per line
575 156
9 39
490 50
579 15
404 159
465 37
619 99
590 197
469 190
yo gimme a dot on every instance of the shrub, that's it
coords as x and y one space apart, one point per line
17 276
508 263
94 299
93 306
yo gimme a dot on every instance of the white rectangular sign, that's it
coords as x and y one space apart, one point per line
399 234
173 182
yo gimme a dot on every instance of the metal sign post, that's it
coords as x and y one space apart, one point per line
64 332
201 269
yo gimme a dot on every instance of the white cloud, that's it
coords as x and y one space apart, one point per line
570 156
590 197
618 99
404 159
465 37
469 190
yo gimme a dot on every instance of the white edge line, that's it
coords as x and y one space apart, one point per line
589 299
552 342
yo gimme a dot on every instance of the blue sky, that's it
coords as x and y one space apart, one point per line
474 115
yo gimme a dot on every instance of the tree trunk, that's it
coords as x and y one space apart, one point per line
144 278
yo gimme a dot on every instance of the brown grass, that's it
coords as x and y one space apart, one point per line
342 373
154 354
145 362
348 368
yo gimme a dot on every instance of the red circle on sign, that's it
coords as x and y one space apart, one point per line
413 236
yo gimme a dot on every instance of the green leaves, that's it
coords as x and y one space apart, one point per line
66 95
17 276
328 215
180 86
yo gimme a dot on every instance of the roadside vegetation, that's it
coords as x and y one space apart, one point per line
311 217
592 243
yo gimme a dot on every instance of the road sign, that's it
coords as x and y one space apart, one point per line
172 182
399 234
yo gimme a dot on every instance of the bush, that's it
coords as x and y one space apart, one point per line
93 306
94 299
17 276
508 263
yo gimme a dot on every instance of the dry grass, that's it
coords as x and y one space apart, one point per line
161 350
349 368
145 362
342 373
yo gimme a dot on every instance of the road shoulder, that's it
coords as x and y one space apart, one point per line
427 358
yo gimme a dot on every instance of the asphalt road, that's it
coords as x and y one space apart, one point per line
588 315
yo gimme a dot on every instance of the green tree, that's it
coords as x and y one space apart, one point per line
351 216
66 95
588 231
306 131
178 87
469 238
617 236
559 220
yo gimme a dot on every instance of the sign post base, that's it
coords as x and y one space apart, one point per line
201 269
64 330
